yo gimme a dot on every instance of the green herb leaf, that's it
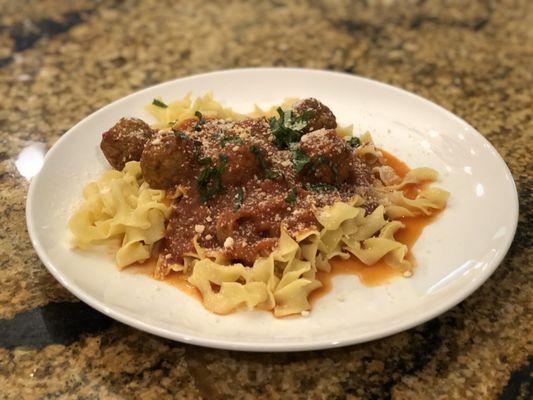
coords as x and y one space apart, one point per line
271 174
159 103
225 139
268 172
291 197
354 142
299 159
181 135
204 160
201 120
288 129
320 186
209 181
238 199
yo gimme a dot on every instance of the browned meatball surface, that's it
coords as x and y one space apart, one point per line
168 159
321 115
331 158
125 141
235 141
242 164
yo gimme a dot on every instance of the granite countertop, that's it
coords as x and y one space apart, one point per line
60 61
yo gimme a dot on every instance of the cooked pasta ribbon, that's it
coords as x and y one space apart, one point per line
121 205
427 201
181 110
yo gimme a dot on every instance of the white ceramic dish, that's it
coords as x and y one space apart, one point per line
456 254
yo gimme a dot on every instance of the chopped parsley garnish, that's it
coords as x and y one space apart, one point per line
198 154
159 103
269 173
201 120
288 129
238 199
225 139
291 197
209 181
354 142
204 160
320 186
299 159
181 135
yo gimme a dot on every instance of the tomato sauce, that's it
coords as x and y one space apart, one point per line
369 275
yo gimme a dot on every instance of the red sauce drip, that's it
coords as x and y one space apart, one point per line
397 165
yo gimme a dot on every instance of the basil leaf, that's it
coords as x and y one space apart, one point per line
209 181
271 174
204 160
159 103
288 129
229 139
299 159
291 197
201 121
181 135
320 186
355 142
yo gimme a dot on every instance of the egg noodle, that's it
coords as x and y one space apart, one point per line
121 205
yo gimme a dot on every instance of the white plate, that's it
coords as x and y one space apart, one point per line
456 254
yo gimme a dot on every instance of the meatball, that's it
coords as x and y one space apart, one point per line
244 158
125 141
321 116
168 159
331 158
242 164
252 127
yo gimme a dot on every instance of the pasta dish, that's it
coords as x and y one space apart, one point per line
252 209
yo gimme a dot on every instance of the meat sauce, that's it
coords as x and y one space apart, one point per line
260 190
373 275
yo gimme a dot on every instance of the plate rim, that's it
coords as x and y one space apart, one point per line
257 346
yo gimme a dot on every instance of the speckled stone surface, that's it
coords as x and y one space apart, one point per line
59 61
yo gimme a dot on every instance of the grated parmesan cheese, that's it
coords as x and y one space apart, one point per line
229 242
199 228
